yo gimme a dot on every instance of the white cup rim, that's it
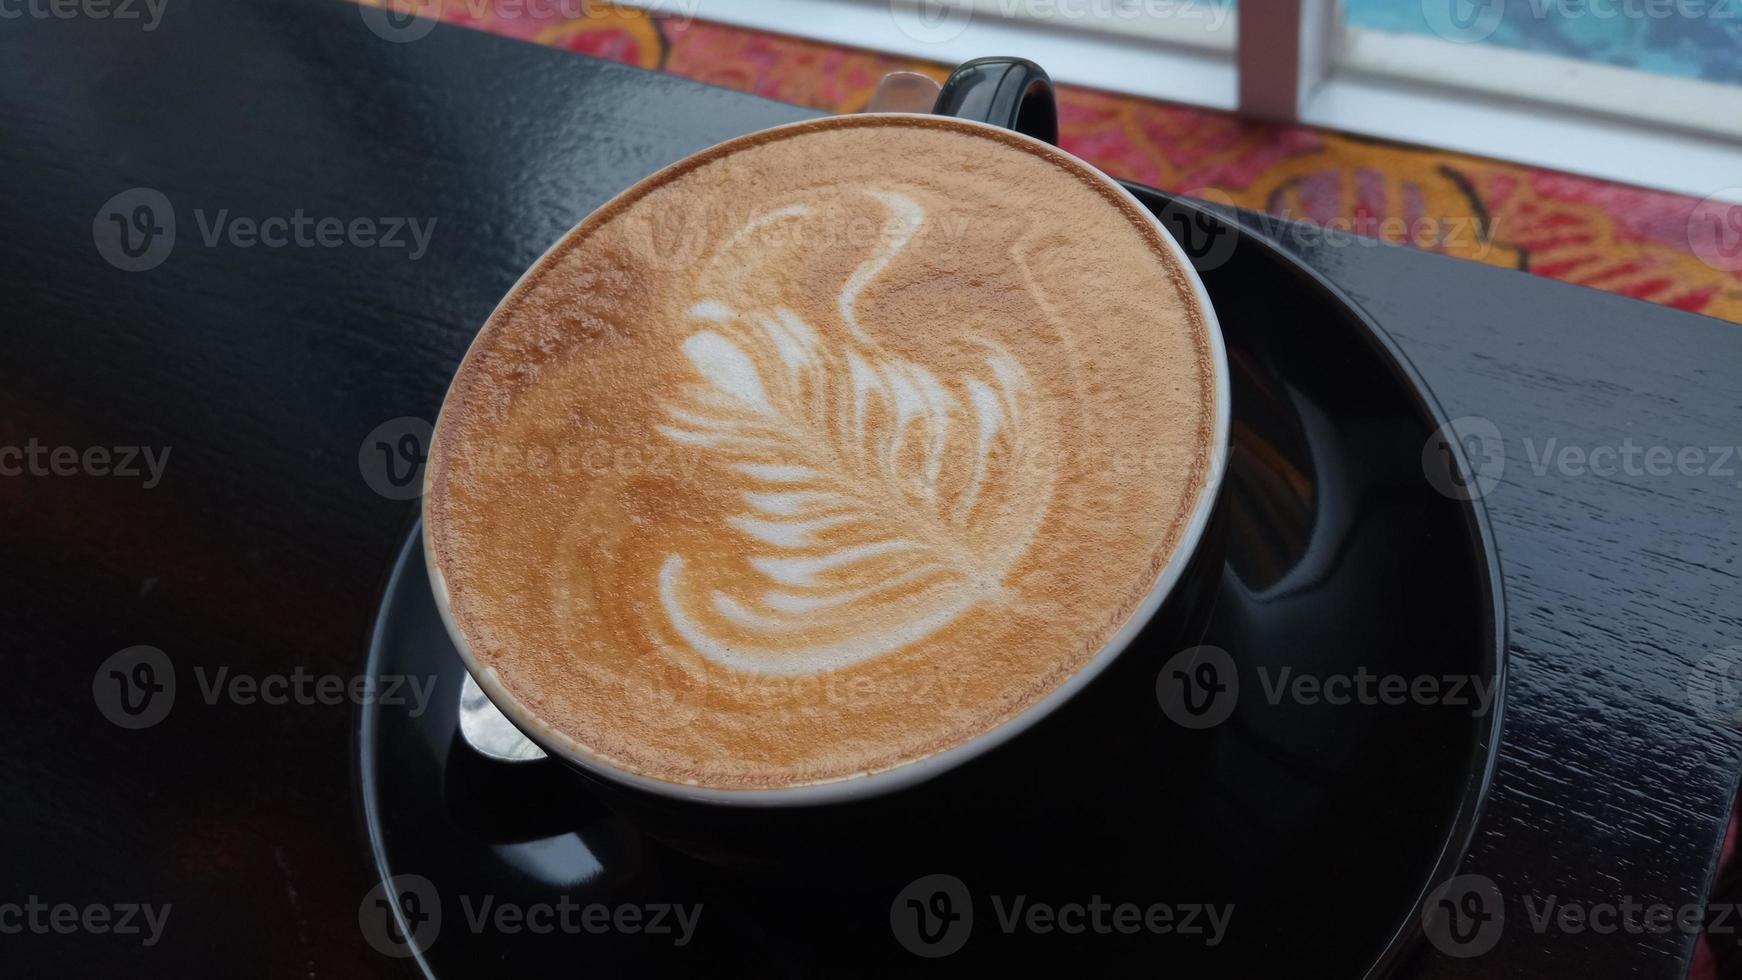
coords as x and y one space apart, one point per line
867 785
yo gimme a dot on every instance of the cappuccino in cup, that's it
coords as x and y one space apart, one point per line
822 453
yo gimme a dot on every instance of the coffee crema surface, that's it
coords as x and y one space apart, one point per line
822 452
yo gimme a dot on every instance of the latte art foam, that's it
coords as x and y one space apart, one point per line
865 541
889 423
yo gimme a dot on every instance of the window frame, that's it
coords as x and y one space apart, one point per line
1296 61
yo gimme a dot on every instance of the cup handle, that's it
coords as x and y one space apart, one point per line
1010 92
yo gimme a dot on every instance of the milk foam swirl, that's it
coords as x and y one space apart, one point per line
822 452
880 501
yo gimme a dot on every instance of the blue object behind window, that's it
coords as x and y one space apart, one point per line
1697 39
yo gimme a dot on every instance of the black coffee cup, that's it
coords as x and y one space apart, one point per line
1036 769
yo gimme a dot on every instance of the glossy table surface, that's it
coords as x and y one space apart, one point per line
260 551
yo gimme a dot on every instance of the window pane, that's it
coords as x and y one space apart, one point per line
1697 39
1198 23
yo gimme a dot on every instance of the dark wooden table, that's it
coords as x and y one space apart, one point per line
260 549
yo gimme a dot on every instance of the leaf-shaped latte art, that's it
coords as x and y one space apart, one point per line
880 501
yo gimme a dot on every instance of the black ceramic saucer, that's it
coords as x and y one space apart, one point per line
1323 825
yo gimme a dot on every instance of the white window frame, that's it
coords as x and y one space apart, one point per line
1295 62
1175 60
1613 123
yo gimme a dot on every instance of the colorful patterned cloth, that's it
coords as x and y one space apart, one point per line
1661 247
